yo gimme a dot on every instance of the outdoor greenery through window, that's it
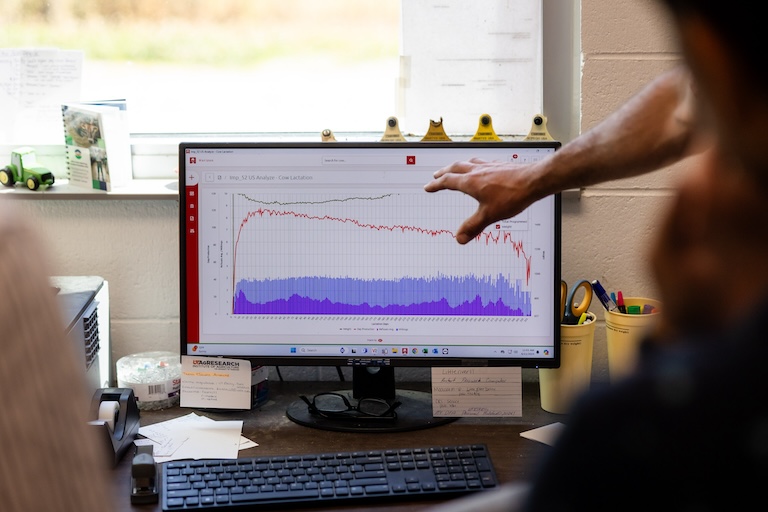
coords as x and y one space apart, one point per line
229 66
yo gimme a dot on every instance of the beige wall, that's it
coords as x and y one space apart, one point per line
606 230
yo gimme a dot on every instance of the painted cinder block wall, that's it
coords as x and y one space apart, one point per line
607 229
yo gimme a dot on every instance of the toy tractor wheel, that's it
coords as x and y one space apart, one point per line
33 183
6 177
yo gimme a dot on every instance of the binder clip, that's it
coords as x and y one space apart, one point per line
327 136
117 416
392 132
485 130
539 129
436 132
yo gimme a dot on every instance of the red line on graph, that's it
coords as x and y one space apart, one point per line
489 237
506 237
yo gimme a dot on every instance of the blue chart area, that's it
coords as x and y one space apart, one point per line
388 254
443 296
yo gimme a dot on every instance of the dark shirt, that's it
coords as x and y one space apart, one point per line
688 431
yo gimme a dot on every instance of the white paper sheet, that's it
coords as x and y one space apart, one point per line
195 437
34 83
547 434
491 65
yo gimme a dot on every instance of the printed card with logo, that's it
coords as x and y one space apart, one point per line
215 383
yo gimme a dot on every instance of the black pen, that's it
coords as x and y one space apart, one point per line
605 299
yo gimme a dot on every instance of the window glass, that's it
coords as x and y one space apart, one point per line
231 66
293 66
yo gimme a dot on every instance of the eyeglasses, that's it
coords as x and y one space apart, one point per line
336 405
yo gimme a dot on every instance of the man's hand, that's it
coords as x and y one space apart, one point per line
502 190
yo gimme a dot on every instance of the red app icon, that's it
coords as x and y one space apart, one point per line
410 160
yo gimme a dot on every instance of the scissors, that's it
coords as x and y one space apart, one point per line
569 312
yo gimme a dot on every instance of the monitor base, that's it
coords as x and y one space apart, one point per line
415 413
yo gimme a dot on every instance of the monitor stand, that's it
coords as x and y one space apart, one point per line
415 413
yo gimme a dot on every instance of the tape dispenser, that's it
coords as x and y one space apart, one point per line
116 414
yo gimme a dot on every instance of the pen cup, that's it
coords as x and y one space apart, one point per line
623 334
559 387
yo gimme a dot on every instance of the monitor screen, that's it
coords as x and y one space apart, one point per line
333 254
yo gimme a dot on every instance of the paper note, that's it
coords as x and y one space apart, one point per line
33 85
477 392
215 383
493 65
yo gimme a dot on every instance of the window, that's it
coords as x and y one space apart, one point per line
230 65
298 66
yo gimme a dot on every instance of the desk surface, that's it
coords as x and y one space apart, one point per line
512 455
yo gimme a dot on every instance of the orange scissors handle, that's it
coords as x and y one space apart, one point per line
572 312
563 295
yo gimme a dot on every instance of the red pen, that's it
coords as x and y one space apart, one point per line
620 303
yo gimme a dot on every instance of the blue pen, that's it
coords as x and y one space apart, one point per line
605 299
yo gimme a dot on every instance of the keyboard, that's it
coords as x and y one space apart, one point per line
323 479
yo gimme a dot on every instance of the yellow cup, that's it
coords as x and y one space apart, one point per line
559 387
623 333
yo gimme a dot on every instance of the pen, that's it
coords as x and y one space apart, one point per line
605 299
633 310
582 318
620 303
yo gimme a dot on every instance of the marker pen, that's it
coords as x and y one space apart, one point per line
633 310
620 303
605 299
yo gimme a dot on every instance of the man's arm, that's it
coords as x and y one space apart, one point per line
653 129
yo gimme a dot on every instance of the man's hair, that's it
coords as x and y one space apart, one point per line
742 29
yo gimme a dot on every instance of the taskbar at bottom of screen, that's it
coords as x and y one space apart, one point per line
399 351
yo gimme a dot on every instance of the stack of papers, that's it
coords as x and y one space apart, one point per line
194 437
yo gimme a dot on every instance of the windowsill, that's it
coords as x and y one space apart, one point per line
155 163
139 189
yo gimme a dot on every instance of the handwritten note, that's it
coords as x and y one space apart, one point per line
215 383
33 85
477 392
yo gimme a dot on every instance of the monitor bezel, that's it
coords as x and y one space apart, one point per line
340 361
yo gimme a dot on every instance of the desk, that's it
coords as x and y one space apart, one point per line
513 456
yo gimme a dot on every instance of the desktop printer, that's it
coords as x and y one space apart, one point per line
84 301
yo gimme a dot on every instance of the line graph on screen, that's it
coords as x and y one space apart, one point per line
331 253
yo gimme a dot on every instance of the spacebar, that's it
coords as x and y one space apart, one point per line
274 495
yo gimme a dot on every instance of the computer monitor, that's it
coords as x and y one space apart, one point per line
332 253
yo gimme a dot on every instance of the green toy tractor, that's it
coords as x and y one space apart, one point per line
24 168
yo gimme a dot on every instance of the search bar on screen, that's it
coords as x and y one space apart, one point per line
368 160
